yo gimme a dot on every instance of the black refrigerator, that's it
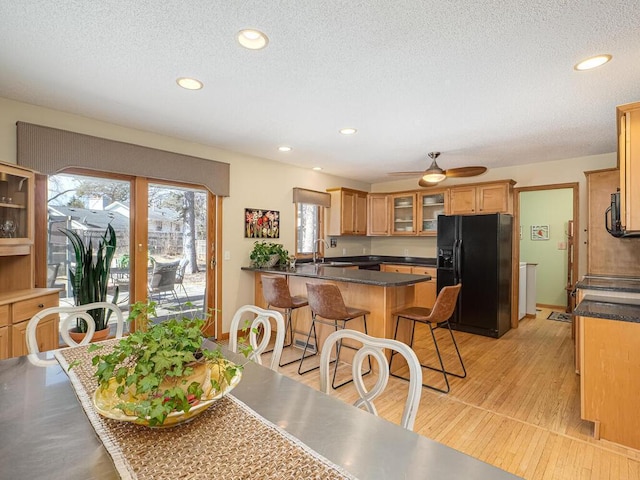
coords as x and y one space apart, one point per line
475 250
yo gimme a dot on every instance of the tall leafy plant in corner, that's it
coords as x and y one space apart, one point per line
91 275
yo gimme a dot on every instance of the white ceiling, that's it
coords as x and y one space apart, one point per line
485 82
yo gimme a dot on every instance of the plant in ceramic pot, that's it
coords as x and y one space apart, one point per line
90 277
268 254
158 374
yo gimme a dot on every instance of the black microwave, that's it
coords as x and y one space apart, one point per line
612 221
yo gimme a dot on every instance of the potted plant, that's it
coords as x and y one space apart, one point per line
268 254
161 370
90 277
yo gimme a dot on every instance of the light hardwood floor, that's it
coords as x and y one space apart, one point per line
518 408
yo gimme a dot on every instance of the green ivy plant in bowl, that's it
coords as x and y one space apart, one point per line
161 375
268 254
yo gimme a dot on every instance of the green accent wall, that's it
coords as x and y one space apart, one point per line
553 208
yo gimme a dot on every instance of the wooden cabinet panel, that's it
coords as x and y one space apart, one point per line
462 200
426 292
4 315
395 268
348 212
46 334
378 214
25 309
5 347
628 117
494 197
609 371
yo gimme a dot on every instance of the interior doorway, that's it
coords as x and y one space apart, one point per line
546 226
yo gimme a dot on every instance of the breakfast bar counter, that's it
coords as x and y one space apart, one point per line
382 293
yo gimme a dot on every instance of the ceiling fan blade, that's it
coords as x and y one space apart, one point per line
406 173
465 171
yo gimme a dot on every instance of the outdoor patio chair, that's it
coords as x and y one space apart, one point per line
163 281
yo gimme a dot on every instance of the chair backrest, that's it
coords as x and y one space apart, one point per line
68 315
163 277
52 274
182 265
374 347
326 300
260 320
276 291
445 304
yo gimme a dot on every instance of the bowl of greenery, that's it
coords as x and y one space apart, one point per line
268 254
161 375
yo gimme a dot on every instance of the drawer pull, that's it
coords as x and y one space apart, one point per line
40 305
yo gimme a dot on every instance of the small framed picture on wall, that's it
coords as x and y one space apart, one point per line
539 232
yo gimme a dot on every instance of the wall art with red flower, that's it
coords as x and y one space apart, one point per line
261 223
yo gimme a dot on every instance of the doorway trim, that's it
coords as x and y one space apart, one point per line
575 186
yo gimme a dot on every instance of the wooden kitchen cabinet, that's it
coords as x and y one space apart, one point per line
19 306
377 214
493 197
5 347
403 213
426 292
395 268
430 205
348 212
628 120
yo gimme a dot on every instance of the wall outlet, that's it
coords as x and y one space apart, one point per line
227 255
364 250
333 242
406 252
562 246
344 251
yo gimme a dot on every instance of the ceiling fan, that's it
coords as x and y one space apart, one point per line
434 174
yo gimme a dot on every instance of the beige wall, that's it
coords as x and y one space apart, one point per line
261 183
255 182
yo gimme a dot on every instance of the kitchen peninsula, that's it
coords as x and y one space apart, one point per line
381 293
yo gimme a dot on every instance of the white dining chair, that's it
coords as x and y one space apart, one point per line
374 347
260 321
68 315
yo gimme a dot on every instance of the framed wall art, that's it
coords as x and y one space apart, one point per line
261 223
539 232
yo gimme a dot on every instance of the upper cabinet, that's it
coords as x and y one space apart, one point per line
348 212
629 164
430 205
403 213
378 214
494 197
16 210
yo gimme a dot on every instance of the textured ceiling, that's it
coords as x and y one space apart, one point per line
485 82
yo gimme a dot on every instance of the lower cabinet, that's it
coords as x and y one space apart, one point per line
16 309
425 292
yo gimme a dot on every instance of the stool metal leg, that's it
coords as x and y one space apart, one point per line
338 347
306 345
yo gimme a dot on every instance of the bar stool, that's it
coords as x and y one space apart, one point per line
276 293
435 317
326 301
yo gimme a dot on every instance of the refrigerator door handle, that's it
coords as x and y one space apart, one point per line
456 260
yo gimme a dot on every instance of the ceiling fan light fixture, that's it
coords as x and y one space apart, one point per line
434 173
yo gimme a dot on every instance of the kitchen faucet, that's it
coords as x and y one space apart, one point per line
315 250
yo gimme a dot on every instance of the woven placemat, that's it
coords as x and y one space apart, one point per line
227 441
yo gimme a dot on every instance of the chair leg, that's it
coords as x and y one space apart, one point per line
338 347
304 352
289 313
393 352
455 344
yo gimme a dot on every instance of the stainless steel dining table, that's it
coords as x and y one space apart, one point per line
45 434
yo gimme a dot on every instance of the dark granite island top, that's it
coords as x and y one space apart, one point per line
609 308
340 274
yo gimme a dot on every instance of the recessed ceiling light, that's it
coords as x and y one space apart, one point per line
348 131
285 148
189 83
252 39
592 62
317 169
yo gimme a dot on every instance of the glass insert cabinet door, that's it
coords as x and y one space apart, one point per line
431 205
16 200
403 214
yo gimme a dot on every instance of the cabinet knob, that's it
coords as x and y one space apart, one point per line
40 305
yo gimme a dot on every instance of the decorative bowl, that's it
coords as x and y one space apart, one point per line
105 401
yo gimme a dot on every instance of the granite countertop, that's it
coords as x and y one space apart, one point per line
371 260
609 283
349 275
609 308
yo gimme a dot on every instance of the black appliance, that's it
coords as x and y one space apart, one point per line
475 250
613 221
